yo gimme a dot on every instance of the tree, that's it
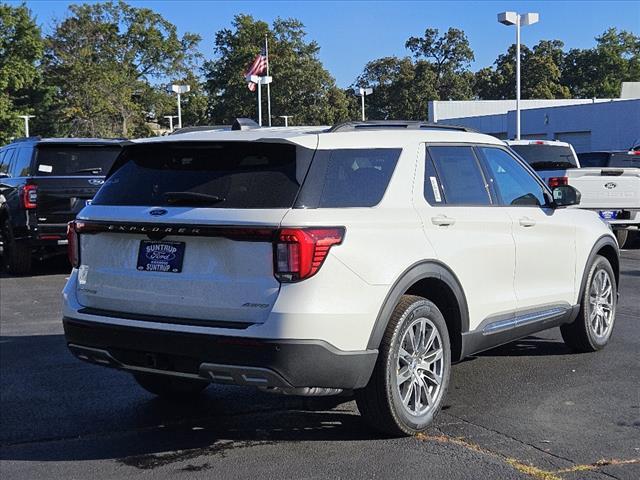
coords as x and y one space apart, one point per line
401 88
301 86
541 75
103 61
600 71
449 57
21 49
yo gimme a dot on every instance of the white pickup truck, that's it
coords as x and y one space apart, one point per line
609 182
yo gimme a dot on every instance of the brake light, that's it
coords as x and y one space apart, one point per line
538 142
300 252
30 196
558 181
73 245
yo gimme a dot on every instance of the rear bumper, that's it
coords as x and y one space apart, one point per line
220 359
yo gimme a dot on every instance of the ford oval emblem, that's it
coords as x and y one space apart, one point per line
610 185
156 212
96 181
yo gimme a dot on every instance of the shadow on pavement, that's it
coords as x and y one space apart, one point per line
51 266
77 411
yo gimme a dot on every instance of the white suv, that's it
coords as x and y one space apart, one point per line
311 261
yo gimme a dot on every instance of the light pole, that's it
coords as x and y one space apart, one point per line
260 81
180 89
286 119
518 19
170 117
26 123
363 93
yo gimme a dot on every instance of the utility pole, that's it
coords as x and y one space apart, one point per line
286 119
363 93
170 118
180 89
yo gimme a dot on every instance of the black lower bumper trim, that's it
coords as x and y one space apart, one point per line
300 363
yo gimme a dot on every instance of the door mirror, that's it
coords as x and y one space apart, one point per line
565 195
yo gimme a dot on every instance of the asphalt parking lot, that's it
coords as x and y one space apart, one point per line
530 409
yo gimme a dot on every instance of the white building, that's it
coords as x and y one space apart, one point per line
589 125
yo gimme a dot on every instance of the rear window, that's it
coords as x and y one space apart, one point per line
68 160
215 175
546 157
625 160
248 175
588 160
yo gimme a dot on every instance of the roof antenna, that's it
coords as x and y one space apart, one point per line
244 124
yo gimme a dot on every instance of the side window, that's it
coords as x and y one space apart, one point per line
2 152
22 162
461 179
514 184
6 160
348 178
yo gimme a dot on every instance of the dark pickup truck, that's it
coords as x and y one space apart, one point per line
44 183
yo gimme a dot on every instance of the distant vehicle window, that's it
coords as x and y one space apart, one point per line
460 176
66 160
624 160
514 184
2 152
596 159
348 178
212 175
5 162
546 157
22 163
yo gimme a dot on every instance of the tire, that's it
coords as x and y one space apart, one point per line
587 334
622 236
169 387
380 402
16 255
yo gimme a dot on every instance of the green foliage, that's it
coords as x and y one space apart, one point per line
301 86
600 71
448 56
21 49
102 61
402 88
540 76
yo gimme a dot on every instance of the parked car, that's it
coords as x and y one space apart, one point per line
44 182
551 159
314 261
609 182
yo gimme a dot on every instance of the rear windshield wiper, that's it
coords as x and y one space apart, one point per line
89 170
192 197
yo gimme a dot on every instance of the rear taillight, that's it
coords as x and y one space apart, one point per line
73 245
300 252
558 181
30 196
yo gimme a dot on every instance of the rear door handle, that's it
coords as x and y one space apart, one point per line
527 222
443 221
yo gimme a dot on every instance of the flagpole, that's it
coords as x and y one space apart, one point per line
260 103
266 52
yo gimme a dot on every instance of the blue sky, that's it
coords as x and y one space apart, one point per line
351 33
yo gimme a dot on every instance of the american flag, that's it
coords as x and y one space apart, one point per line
257 67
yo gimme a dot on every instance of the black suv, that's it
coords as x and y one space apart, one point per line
44 183
620 159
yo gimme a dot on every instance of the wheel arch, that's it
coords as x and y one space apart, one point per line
607 247
435 281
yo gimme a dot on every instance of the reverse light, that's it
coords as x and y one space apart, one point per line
557 181
30 196
300 252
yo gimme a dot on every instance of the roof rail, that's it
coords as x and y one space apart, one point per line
199 128
406 124
34 138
